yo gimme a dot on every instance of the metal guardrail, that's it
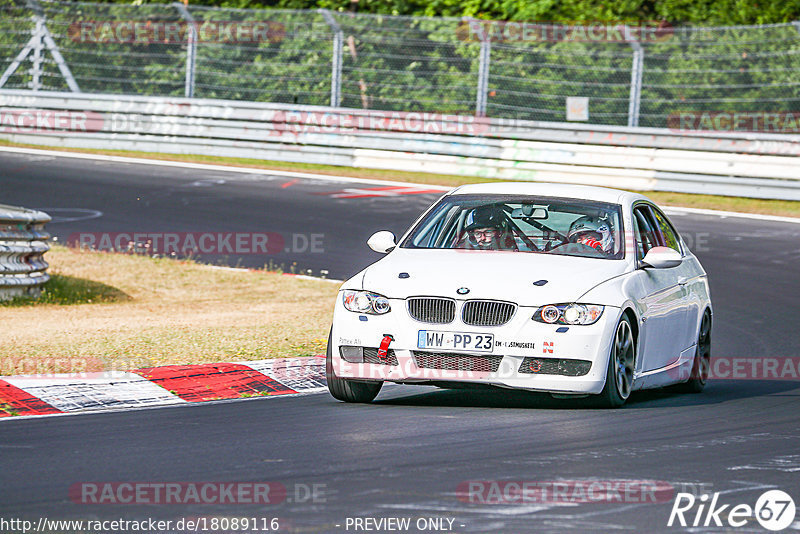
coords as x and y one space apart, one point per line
722 163
23 242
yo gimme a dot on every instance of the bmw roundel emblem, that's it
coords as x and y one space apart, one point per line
462 290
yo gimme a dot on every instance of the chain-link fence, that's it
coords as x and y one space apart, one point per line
632 75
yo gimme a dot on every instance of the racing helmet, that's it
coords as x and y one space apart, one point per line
491 216
596 228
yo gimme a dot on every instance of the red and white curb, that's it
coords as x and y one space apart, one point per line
159 386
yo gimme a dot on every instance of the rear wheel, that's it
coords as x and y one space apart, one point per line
348 390
702 358
621 361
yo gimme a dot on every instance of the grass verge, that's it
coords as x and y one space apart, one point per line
105 311
786 208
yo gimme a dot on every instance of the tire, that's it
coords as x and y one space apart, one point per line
702 358
621 364
348 390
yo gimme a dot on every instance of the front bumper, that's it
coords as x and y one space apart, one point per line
520 348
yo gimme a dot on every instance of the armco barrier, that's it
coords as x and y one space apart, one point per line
23 242
724 163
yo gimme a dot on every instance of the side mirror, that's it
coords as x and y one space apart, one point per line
382 242
662 258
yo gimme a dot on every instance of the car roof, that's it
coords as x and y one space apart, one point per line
586 192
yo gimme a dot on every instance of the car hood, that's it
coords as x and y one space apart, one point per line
494 275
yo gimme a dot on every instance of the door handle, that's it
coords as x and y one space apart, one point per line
683 281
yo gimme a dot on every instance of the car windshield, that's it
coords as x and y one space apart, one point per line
544 225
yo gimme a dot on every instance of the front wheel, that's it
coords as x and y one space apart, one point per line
621 362
348 390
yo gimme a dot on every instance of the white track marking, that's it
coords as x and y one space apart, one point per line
208 167
787 464
300 276
87 214
726 214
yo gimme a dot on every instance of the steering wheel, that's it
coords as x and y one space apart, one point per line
549 245
579 249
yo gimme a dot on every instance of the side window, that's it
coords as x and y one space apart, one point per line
667 231
645 233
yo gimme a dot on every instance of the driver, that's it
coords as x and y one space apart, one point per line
592 232
487 229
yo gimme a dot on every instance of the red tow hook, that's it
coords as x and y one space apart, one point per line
383 349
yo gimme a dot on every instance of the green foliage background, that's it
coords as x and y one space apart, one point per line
413 55
701 12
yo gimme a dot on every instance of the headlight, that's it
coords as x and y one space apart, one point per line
569 314
365 302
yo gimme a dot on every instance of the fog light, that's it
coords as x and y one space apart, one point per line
352 354
574 367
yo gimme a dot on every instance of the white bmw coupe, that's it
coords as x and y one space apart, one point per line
571 290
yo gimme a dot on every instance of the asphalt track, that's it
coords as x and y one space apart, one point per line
406 454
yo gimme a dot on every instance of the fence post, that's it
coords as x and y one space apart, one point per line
60 61
41 37
36 58
336 60
483 76
637 70
191 49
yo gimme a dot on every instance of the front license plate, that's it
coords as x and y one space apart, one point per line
467 341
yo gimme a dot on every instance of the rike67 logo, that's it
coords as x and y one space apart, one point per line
774 510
